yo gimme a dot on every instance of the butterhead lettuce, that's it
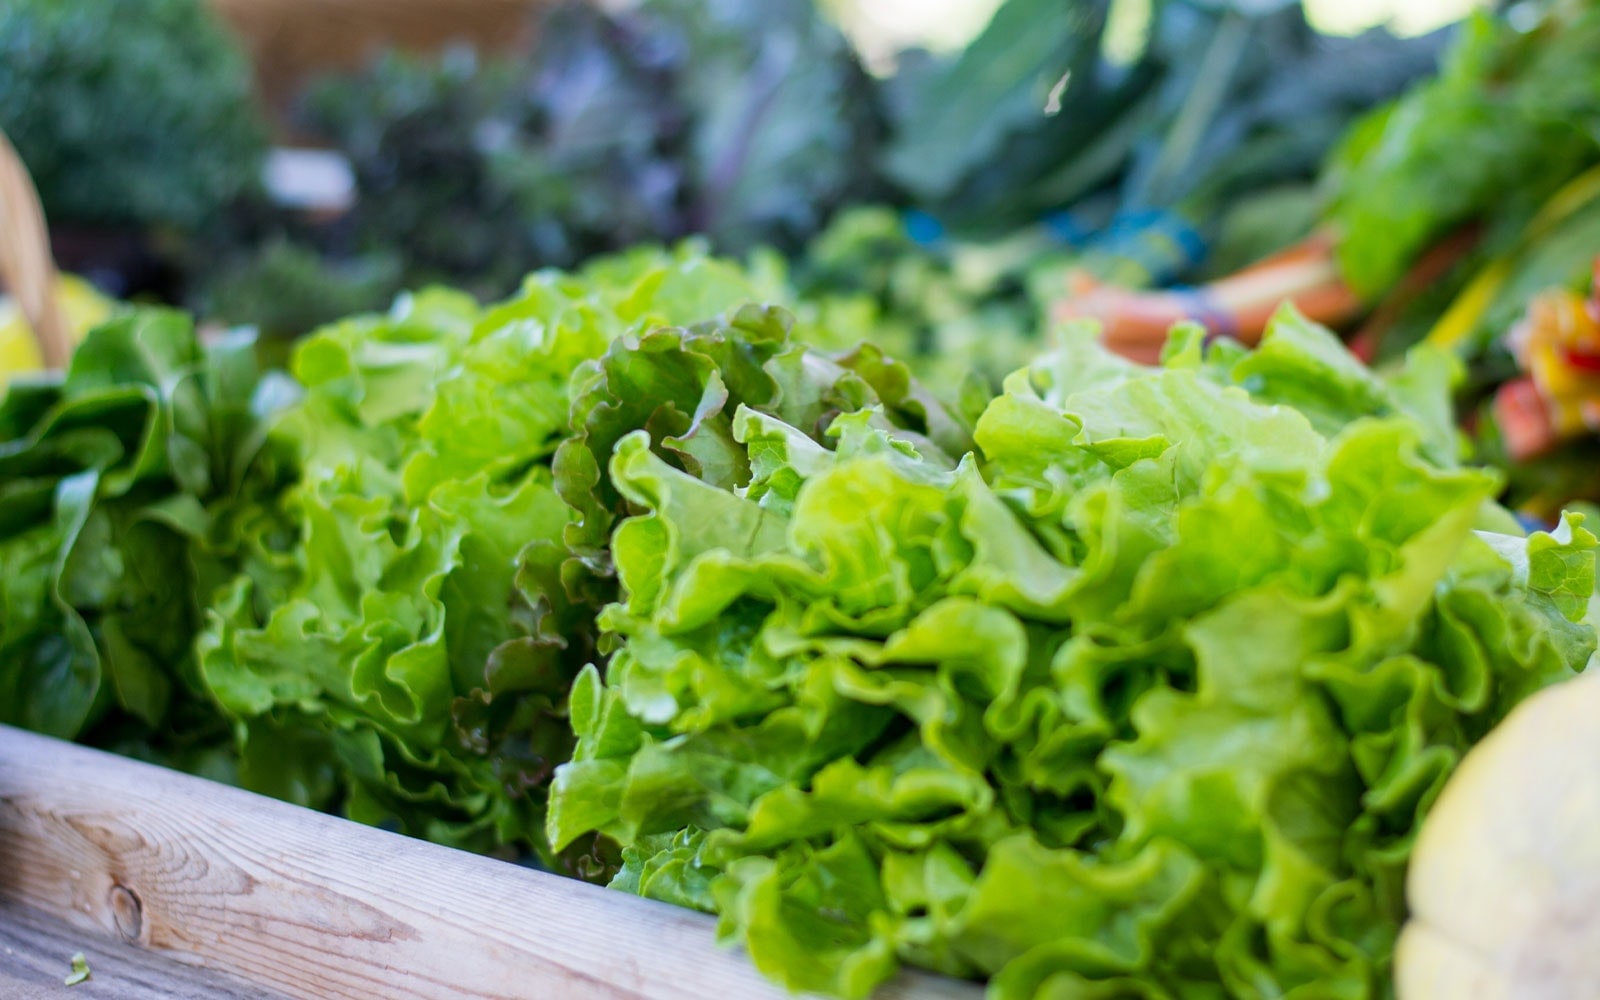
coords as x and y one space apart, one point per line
118 480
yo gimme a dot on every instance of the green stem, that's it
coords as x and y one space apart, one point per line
1211 83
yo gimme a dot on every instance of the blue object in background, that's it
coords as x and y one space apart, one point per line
1065 229
1147 247
924 229
1162 244
1530 524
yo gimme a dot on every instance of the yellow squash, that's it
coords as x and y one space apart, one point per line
82 307
1504 885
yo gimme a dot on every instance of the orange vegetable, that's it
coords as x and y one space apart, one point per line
1135 324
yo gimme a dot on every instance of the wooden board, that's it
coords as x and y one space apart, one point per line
318 907
36 953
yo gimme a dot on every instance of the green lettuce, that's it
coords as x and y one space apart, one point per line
1144 696
417 600
1139 683
117 483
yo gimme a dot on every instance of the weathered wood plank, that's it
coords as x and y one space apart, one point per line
36 952
318 907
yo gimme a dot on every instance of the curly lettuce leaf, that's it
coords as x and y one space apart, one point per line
1147 697
419 598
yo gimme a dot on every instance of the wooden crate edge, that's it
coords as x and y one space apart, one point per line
318 907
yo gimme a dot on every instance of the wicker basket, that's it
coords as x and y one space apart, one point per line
27 269
290 40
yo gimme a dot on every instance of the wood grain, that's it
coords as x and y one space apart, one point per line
36 953
318 907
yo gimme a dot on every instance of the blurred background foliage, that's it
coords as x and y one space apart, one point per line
939 176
